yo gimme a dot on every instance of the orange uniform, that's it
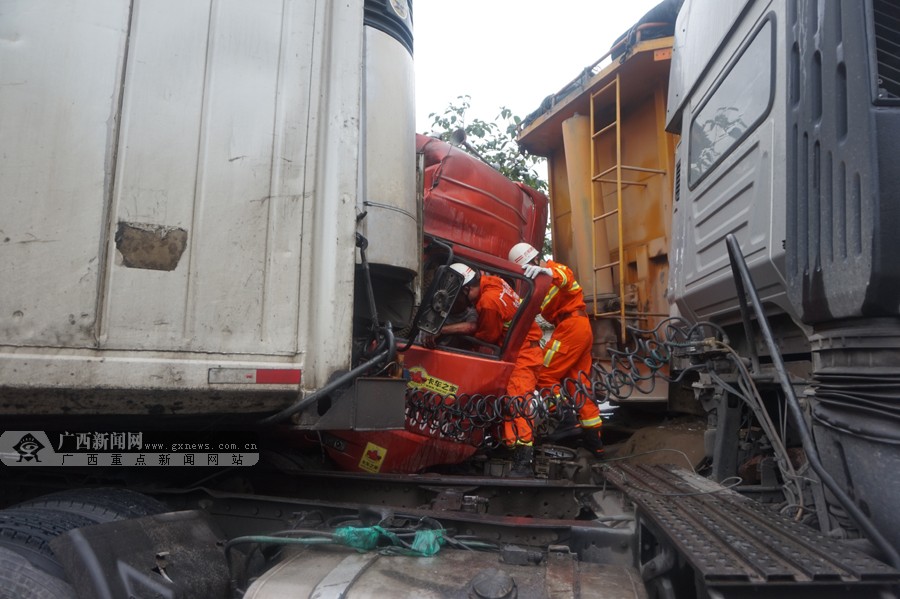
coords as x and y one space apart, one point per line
497 304
568 353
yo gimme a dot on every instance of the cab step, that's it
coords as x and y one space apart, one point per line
733 542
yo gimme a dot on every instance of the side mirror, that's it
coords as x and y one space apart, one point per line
437 302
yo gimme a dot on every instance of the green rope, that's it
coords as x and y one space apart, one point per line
363 539
425 543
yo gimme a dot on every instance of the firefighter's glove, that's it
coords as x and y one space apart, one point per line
533 270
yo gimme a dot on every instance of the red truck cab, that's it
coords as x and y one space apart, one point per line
472 214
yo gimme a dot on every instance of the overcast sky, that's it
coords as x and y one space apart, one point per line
509 53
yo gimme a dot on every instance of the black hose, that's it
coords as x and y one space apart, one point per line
385 356
362 243
744 280
748 327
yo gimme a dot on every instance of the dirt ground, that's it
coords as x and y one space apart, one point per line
663 442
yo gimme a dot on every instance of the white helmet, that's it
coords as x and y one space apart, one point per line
467 273
522 253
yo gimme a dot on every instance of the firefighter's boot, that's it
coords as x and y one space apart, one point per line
522 462
592 440
566 425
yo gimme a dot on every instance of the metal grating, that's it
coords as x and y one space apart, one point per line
731 540
887 49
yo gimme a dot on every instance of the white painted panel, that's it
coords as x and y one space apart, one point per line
331 189
736 199
739 196
301 38
157 164
233 124
234 177
59 72
214 127
714 18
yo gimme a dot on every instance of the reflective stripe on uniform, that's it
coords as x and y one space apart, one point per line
550 295
592 422
575 286
551 351
562 273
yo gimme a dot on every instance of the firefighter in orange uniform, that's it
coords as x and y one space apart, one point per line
568 353
497 303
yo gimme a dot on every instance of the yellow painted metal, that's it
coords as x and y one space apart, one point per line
631 177
622 323
576 133
599 238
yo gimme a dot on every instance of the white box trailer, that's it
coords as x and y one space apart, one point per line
181 184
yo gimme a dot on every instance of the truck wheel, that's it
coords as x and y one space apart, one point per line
100 505
20 580
28 532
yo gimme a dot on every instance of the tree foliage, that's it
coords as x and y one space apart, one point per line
494 142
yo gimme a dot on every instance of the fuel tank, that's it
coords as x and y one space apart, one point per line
388 199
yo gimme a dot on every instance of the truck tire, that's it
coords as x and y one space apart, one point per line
100 505
28 532
21 580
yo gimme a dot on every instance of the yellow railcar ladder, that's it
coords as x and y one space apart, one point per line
611 175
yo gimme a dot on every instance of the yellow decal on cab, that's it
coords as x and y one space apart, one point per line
420 379
372 458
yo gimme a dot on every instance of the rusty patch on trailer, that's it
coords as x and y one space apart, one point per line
154 247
